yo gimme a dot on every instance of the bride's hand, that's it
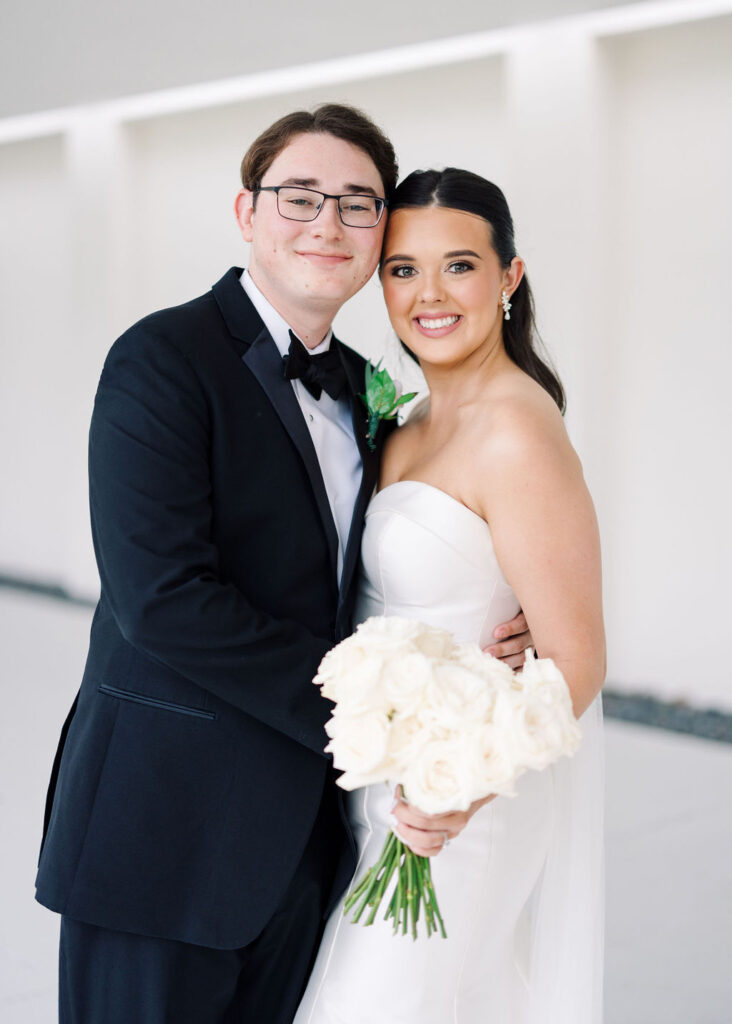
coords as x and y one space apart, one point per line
514 637
427 834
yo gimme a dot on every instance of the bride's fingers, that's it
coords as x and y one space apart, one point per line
511 628
514 661
437 827
414 818
423 843
514 645
455 821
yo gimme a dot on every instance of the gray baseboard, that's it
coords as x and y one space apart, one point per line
44 589
641 709
674 716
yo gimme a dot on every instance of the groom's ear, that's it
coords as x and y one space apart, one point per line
244 210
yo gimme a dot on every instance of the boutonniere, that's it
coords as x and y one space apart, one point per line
382 399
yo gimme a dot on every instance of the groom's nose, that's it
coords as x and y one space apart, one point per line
328 222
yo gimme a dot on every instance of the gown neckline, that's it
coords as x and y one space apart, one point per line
438 490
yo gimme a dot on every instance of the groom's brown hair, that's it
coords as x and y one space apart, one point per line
336 119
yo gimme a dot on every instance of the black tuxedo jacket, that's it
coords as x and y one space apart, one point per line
191 766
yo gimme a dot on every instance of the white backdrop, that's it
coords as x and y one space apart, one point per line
613 155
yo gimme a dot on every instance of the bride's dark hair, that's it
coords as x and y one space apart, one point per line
457 189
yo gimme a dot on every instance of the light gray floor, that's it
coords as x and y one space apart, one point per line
669 842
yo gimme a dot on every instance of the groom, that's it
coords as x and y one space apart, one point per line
194 837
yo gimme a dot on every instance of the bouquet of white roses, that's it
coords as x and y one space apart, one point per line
450 723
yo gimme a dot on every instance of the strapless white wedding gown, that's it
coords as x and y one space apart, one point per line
520 889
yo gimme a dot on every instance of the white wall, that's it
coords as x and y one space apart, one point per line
611 153
38 377
666 452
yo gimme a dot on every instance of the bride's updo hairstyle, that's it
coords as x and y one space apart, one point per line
456 189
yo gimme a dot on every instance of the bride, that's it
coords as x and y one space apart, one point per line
482 509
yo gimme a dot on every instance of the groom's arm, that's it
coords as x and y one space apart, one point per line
151 510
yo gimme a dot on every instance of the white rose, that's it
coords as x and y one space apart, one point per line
493 670
535 731
541 676
359 746
440 778
405 680
393 632
542 680
434 642
347 654
407 736
387 633
359 688
493 766
455 697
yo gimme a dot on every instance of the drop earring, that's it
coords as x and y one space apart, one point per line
505 302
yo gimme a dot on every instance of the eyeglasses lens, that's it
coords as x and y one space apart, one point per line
302 204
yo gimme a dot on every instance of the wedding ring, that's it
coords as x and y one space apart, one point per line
445 840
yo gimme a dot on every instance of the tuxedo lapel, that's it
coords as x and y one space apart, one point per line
261 356
354 367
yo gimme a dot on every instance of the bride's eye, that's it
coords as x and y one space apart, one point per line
460 267
405 270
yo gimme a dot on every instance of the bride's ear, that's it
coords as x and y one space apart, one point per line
512 276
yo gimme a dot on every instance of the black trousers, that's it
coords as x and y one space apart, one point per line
110 977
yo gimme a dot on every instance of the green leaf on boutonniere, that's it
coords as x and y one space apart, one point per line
382 398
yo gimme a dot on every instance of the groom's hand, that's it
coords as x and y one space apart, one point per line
514 637
427 834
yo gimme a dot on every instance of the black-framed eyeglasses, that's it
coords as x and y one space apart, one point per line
296 203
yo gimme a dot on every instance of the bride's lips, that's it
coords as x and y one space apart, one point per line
325 259
446 324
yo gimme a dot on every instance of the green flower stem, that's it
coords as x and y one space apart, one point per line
363 885
374 420
414 889
398 899
392 909
417 901
429 917
360 909
406 885
380 888
419 891
367 886
411 893
433 899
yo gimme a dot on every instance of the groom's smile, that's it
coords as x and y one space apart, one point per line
324 258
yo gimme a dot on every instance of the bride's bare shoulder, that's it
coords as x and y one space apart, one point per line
519 423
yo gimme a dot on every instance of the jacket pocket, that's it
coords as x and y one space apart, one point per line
154 702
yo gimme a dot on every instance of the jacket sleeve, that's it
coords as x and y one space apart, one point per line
150 496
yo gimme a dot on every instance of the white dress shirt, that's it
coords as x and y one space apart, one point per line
329 423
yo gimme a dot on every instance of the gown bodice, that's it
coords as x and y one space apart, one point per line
427 556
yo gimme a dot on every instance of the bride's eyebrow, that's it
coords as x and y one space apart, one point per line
391 259
462 252
448 256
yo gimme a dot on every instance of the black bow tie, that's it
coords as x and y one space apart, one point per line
322 372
